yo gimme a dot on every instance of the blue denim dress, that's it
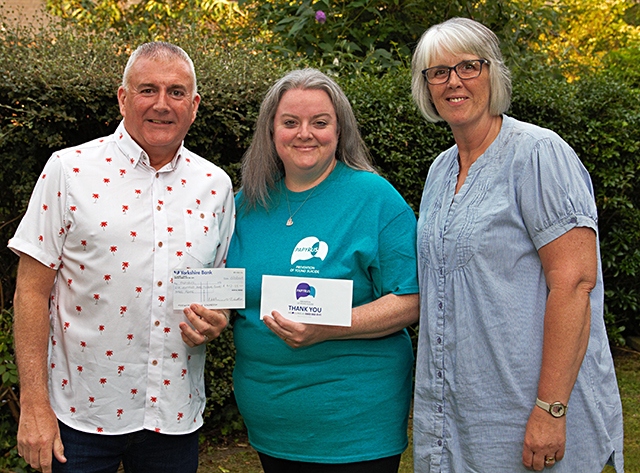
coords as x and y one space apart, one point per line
483 297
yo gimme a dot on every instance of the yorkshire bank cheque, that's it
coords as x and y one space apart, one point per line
214 288
308 300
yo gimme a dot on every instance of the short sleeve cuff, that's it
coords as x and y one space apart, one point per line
561 227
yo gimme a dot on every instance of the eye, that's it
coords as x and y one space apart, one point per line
177 93
289 123
146 91
321 123
439 72
471 66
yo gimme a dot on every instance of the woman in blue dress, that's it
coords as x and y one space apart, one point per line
514 370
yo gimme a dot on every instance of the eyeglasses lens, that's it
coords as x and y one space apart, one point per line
465 70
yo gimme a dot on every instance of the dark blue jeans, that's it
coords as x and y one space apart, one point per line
140 452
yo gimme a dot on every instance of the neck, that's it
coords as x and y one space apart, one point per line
472 142
304 182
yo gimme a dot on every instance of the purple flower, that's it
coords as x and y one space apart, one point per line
321 17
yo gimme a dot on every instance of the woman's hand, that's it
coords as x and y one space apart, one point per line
296 334
206 324
544 440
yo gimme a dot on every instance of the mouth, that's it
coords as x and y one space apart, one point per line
456 99
160 122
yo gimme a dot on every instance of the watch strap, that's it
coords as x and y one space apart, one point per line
556 409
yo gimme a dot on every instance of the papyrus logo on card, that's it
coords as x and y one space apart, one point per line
304 290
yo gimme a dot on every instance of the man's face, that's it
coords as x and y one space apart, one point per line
159 106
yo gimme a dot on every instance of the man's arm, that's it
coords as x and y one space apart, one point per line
38 433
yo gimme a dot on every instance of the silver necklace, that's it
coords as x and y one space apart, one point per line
290 219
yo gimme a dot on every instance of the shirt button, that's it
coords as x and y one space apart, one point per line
158 207
201 215
157 174
154 362
440 409
440 305
159 244
439 340
439 443
439 374
159 283
156 323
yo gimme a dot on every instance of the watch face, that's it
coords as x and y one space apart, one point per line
557 409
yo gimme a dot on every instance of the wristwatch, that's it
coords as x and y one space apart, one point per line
556 409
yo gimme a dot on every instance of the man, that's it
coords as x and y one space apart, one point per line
109 371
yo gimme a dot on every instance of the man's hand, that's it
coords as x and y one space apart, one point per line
206 324
39 437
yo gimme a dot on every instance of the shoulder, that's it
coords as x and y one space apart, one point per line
84 150
197 164
529 136
534 150
370 192
365 182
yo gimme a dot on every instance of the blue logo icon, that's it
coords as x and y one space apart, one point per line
304 290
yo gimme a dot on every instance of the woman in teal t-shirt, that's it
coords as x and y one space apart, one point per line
316 397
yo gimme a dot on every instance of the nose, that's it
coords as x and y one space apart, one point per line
304 131
454 79
161 103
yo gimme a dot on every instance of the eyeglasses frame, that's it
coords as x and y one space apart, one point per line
454 68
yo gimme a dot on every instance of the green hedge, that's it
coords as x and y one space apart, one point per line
58 89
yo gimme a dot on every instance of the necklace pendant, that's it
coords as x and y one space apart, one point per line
289 222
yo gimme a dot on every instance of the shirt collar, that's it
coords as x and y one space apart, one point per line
136 155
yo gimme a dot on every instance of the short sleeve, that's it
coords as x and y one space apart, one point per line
556 193
397 254
43 229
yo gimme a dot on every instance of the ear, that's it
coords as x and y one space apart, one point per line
196 103
122 95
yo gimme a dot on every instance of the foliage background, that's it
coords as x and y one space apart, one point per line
58 89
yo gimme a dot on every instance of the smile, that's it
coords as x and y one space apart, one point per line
456 99
161 122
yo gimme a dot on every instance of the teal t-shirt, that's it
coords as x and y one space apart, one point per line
337 401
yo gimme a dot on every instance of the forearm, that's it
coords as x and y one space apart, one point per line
384 316
31 329
566 336
376 319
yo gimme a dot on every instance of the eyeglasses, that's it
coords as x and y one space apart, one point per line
466 70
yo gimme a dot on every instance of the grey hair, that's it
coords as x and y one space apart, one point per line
460 36
261 166
158 50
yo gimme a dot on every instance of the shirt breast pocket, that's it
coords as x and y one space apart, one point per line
202 237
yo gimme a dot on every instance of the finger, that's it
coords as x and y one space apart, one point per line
58 450
527 458
44 462
202 329
280 325
538 462
190 336
216 318
196 320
